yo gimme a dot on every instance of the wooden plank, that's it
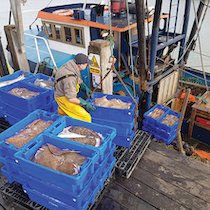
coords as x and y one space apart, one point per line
183 167
126 199
175 155
174 193
183 182
149 194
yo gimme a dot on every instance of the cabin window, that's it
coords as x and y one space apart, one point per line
68 36
49 30
57 31
65 33
78 36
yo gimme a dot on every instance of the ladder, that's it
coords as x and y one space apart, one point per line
173 14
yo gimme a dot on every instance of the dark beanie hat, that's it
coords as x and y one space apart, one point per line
81 58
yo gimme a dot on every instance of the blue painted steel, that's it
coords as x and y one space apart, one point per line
184 30
154 42
118 86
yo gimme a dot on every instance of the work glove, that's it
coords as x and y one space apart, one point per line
87 105
85 88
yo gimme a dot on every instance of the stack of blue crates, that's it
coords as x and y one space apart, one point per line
7 151
123 120
50 188
52 105
14 108
160 131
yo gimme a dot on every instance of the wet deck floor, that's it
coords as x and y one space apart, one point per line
163 179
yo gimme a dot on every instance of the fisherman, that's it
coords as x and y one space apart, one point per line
67 84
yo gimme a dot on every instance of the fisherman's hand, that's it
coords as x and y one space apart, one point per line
87 105
82 102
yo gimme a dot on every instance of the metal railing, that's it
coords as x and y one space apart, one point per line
37 48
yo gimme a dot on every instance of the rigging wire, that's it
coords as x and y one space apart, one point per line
1 205
36 17
199 45
130 47
207 5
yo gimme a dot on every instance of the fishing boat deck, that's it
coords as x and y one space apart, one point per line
163 179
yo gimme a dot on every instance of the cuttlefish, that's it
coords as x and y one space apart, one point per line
66 161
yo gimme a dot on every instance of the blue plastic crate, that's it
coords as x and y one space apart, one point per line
6 174
167 140
35 102
103 166
12 120
76 201
108 133
11 171
101 184
8 150
15 75
13 111
67 182
166 128
122 128
148 127
124 141
47 201
51 107
152 121
113 114
31 80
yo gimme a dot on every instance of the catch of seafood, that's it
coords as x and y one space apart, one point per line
81 135
23 93
9 82
66 161
113 103
156 113
44 83
28 133
170 120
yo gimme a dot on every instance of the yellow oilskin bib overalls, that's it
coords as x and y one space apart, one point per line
71 109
